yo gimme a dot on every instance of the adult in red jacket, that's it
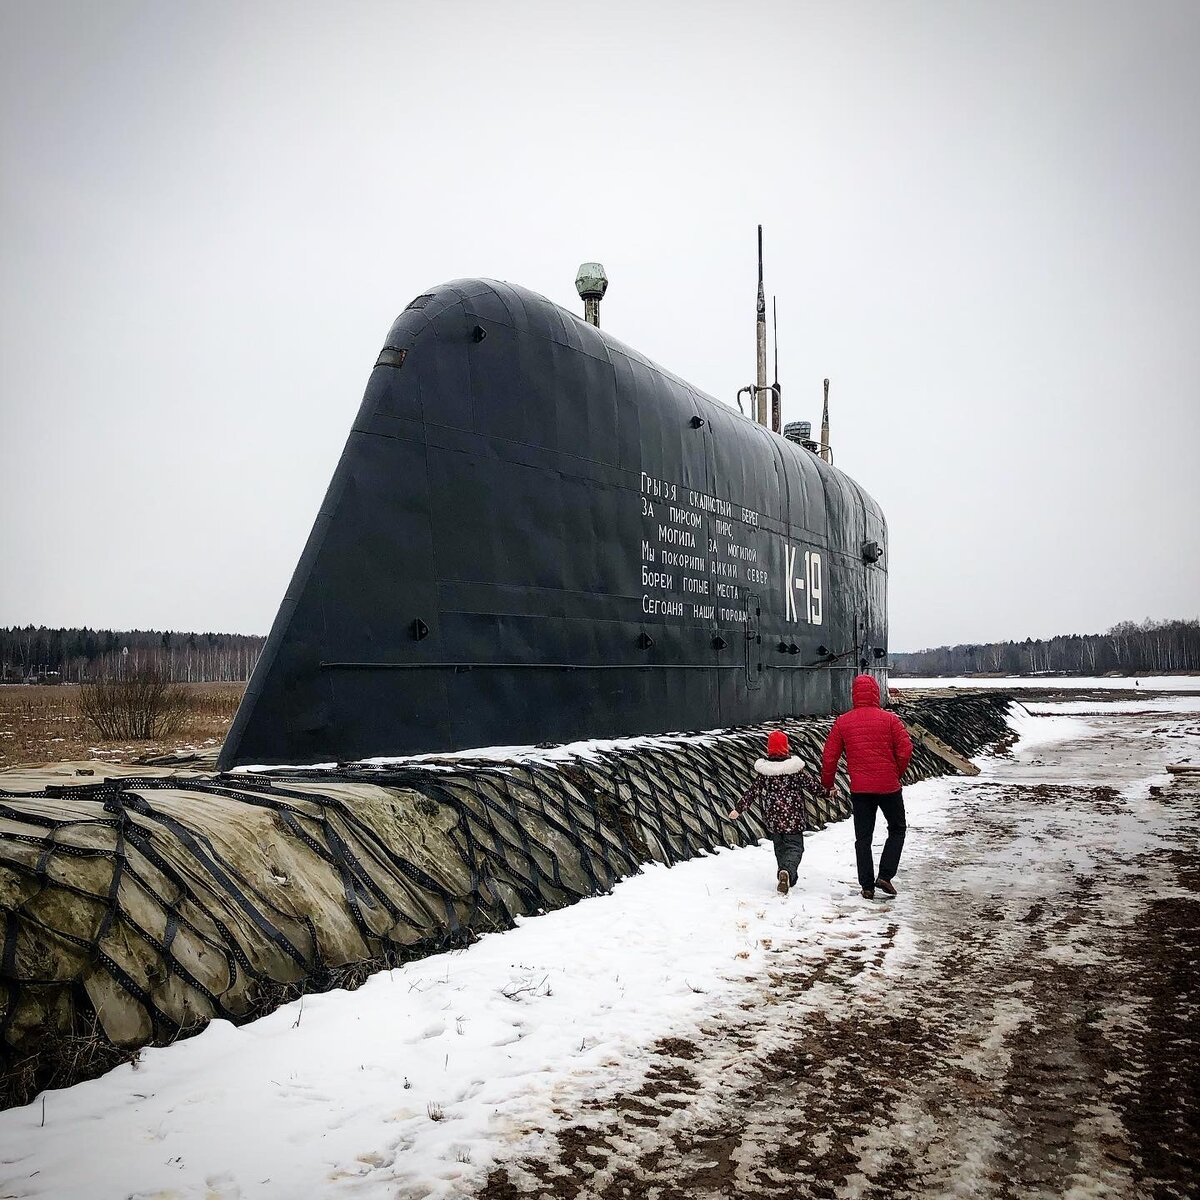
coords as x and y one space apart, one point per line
877 749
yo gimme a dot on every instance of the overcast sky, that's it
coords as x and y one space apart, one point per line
981 224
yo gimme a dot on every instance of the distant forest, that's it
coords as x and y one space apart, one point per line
1127 648
35 654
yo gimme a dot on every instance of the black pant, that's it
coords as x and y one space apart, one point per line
789 850
865 805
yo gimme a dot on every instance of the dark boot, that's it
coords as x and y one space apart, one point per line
789 850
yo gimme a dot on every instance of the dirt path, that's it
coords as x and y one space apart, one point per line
1023 1021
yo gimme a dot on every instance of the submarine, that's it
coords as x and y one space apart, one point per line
537 535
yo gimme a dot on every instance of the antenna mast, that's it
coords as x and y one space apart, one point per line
825 427
776 390
761 389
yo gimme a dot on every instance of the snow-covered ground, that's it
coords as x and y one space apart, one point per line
415 1084
447 760
1149 704
1007 683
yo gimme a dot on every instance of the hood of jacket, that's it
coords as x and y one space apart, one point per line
864 691
778 766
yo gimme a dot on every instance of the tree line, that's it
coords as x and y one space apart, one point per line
37 654
1128 648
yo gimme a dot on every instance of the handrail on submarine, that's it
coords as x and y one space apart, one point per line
754 389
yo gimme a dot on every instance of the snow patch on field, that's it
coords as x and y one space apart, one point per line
1035 730
1148 704
1008 683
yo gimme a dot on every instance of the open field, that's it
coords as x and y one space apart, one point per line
42 724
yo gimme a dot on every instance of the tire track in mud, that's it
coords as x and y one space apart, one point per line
1022 1022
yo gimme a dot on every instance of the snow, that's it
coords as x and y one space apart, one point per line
593 748
1034 731
1008 683
327 766
413 1084
1151 704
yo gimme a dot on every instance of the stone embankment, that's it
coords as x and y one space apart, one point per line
139 906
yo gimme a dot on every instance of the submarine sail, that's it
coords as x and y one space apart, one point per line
536 534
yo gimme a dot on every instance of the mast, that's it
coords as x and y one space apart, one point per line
761 389
776 390
825 426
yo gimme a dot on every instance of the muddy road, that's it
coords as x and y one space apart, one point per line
1021 1021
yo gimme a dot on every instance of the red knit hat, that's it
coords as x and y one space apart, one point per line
777 744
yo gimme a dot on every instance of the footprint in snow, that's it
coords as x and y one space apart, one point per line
430 1031
222 1187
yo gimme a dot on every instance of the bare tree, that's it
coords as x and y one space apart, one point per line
136 701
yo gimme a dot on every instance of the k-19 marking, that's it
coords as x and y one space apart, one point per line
809 583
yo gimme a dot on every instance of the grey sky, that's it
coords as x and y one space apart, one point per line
980 223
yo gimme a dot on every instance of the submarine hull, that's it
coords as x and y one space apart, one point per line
536 534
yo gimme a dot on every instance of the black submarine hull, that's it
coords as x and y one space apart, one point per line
535 534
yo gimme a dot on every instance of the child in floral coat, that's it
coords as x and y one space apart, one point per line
783 785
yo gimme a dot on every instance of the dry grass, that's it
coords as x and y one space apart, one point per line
61 1059
44 725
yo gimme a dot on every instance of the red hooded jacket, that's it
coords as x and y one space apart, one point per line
876 744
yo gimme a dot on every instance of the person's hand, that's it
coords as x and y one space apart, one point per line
733 814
